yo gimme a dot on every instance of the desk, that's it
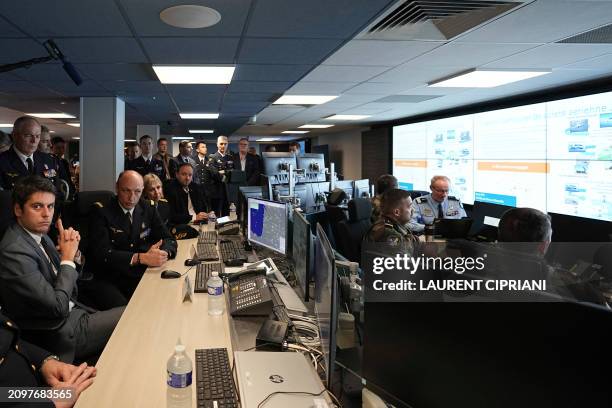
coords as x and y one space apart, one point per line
132 368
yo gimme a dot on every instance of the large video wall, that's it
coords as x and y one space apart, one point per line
554 156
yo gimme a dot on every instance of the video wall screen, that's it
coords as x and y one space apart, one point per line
554 156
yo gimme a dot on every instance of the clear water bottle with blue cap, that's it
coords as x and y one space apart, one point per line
179 368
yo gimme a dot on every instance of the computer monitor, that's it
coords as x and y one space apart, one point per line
326 300
493 354
362 188
244 193
299 191
267 221
302 253
313 165
276 166
486 217
452 228
347 186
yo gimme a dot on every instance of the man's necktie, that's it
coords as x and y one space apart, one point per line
440 212
52 260
30 165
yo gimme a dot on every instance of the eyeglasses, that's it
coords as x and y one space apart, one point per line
440 190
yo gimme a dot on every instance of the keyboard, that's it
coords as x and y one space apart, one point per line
232 253
207 252
214 380
203 272
207 237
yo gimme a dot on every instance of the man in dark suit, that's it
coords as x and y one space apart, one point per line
247 163
129 237
23 159
218 164
23 364
37 283
184 156
186 199
146 163
170 165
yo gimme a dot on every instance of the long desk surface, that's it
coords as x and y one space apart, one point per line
132 368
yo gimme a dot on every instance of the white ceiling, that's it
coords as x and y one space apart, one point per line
364 71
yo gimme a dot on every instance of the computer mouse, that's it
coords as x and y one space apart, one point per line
169 274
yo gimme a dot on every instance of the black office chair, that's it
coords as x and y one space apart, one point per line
6 211
352 231
334 215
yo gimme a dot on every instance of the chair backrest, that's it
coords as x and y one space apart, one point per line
414 194
334 215
352 231
6 211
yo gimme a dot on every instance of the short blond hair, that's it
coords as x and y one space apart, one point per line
436 178
150 180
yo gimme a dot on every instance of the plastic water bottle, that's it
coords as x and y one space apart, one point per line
179 368
212 218
215 294
232 214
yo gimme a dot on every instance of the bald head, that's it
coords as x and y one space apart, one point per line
129 189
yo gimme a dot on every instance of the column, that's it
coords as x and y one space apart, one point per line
101 144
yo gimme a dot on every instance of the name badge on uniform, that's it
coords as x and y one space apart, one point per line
49 173
116 230
427 212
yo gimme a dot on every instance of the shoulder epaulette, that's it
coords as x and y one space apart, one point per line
163 199
421 200
99 204
152 203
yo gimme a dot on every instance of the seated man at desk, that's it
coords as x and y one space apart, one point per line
528 226
437 204
390 228
127 237
38 283
384 183
186 198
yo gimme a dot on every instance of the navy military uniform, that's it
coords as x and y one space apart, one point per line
12 168
426 209
117 239
20 361
397 237
163 209
200 172
170 169
215 183
145 167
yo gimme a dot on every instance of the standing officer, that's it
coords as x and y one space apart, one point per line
437 204
217 164
170 166
146 163
390 228
129 237
23 159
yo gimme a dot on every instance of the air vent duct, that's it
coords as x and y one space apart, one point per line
435 20
601 35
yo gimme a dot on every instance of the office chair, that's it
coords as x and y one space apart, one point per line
6 211
352 231
414 194
333 215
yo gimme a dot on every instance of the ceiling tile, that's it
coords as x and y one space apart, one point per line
335 73
312 18
592 63
191 50
382 53
135 87
259 86
269 72
406 98
286 51
115 72
552 56
466 55
70 18
319 88
17 50
101 50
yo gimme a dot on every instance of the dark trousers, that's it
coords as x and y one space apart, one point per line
93 330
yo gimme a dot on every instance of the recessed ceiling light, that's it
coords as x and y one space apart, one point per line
6 125
76 138
268 139
201 131
56 115
484 78
199 115
129 140
194 74
74 124
315 126
295 132
52 131
190 16
182 138
304 99
346 117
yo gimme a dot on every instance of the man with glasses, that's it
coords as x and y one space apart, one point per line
437 204
23 159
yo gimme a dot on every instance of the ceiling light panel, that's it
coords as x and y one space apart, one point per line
485 78
347 117
199 115
56 115
304 99
194 74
